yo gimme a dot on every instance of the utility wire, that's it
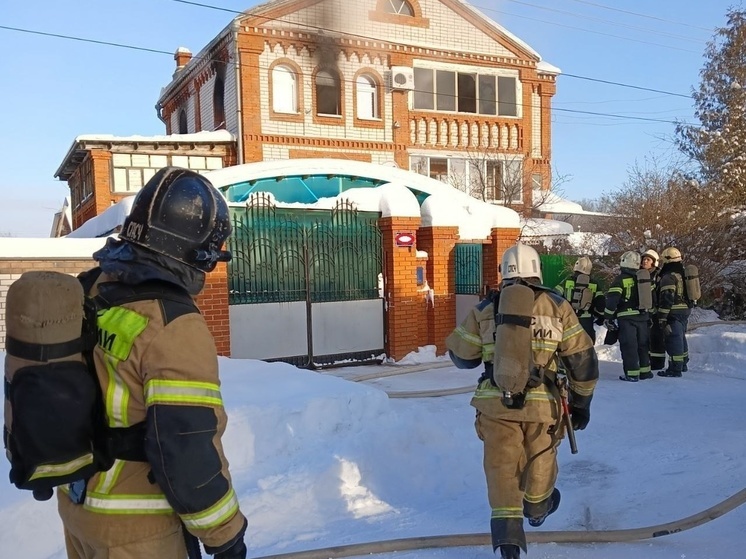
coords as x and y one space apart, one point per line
157 51
644 15
606 21
221 9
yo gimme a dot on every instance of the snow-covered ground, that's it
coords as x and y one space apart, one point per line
323 458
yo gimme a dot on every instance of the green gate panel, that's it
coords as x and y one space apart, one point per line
468 262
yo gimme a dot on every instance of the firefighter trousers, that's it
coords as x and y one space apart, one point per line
676 344
634 343
509 448
89 535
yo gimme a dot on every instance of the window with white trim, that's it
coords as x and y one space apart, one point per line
367 97
465 92
399 7
498 180
130 171
284 90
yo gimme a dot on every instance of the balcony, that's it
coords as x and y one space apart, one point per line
465 132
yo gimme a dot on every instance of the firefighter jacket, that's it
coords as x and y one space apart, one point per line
157 365
671 292
566 289
556 335
622 298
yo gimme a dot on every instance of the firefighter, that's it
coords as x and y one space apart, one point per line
673 312
521 432
650 262
623 313
157 366
593 310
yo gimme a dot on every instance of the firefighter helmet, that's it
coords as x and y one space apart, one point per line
650 253
671 254
583 265
630 259
178 213
520 261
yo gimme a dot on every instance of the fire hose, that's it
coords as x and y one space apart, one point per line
569 536
485 539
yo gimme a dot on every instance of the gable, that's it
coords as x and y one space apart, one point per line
445 25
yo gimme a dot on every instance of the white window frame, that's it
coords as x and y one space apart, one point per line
284 90
366 90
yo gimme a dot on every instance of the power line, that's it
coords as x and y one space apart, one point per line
606 21
644 15
317 28
239 64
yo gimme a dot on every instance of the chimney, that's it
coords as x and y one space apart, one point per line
182 56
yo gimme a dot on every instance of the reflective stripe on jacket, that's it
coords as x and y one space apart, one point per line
556 334
157 363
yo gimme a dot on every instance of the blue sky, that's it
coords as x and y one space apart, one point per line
56 89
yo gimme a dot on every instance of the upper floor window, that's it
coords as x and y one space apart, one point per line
218 104
328 93
284 90
465 92
183 125
367 97
400 7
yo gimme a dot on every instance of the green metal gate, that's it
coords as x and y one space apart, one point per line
283 255
468 262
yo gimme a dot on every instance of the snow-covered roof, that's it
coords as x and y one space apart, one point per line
82 143
53 247
105 223
203 137
473 217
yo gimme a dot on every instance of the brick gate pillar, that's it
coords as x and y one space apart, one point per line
501 239
404 314
439 243
213 303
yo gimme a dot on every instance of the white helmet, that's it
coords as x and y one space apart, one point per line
520 261
671 254
630 259
583 265
652 254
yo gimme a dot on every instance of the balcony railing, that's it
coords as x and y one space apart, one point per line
465 132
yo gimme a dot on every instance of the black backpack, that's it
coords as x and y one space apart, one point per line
55 422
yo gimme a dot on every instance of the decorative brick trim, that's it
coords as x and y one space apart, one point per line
311 153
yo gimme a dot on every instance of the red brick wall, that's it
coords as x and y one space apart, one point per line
405 314
492 253
212 302
439 243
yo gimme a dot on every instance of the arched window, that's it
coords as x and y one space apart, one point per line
328 93
399 7
367 97
218 104
183 125
284 90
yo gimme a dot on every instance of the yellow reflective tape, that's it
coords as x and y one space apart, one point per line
117 394
507 512
468 337
117 330
127 504
213 516
107 479
572 332
62 468
182 392
537 498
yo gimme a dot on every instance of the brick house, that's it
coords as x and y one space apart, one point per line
428 85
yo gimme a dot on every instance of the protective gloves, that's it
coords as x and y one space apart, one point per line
236 551
611 324
664 326
579 417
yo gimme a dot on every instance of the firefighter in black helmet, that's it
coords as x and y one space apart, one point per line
160 372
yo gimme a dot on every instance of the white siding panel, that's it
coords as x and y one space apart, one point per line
535 125
205 105
231 93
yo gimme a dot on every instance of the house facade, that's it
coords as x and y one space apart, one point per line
433 86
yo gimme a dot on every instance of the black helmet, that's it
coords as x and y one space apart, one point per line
179 214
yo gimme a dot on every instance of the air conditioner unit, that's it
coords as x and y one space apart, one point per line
402 77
